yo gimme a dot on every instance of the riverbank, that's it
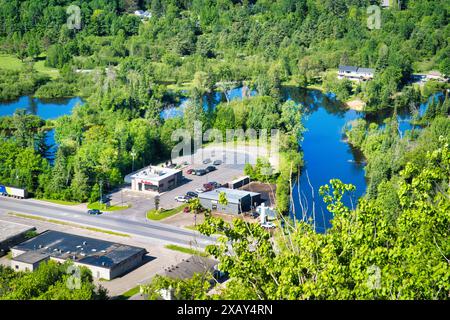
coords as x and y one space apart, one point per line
356 104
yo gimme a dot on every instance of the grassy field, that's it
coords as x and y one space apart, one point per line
174 247
26 216
156 215
40 67
10 62
102 207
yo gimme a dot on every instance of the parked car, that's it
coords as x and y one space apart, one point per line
190 171
208 187
210 169
94 212
186 210
200 172
200 190
181 199
192 194
215 184
206 161
268 225
217 162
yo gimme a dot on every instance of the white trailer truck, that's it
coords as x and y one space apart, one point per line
13 192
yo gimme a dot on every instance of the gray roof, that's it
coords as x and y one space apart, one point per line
366 70
80 249
233 195
187 268
32 257
10 230
348 69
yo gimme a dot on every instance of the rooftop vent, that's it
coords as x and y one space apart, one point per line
84 243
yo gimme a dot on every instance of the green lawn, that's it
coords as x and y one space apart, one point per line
174 247
159 215
102 207
40 67
10 62
62 202
127 295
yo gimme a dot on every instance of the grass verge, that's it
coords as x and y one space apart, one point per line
26 216
163 214
98 206
61 202
127 295
174 247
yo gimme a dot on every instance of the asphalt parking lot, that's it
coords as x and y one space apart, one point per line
142 202
224 173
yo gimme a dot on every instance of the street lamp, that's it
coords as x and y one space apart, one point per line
133 155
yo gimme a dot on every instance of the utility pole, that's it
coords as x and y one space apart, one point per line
101 192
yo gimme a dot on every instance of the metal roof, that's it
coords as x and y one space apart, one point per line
366 70
233 195
80 249
348 69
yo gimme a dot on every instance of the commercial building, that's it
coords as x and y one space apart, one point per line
187 268
155 179
106 260
356 73
239 183
12 234
239 201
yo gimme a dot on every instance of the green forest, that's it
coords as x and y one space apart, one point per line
129 70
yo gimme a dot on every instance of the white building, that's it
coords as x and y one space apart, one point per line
155 179
143 14
355 73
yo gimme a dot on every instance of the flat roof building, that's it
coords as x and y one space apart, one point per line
106 260
11 234
155 179
238 200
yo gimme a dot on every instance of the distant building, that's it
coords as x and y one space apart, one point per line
239 183
106 260
239 201
385 3
155 179
12 234
355 73
436 75
187 268
143 14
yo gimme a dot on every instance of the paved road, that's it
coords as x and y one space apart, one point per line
148 229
